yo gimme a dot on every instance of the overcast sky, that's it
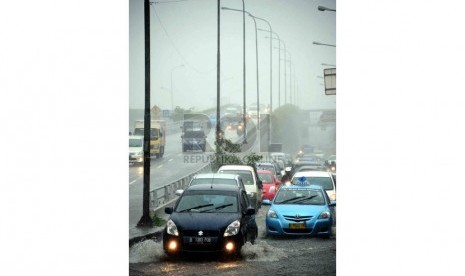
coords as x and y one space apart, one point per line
185 33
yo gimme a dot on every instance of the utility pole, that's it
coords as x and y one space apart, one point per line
218 126
243 39
145 220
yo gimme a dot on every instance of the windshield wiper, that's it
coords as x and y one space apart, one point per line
305 198
217 208
196 207
291 199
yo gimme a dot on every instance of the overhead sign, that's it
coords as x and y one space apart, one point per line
330 81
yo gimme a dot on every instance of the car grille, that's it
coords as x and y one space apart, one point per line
298 231
195 233
300 219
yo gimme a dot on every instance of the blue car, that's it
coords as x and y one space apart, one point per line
300 210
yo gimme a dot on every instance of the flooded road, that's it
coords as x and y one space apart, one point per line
270 255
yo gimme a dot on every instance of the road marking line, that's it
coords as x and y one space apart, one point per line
170 160
132 181
159 166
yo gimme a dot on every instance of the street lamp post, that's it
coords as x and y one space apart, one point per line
279 63
243 39
218 126
256 57
323 8
172 92
145 220
323 44
271 78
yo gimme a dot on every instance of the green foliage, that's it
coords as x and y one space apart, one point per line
253 158
157 221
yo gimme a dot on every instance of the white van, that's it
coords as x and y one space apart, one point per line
321 178
252 184
136 149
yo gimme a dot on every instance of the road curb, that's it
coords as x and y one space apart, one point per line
157 233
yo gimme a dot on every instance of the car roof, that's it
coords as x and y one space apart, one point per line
312 173
236 167
216 175
216 187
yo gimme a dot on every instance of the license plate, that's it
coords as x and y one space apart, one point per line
200 240
297 226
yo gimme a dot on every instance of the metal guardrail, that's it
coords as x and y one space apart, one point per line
163 196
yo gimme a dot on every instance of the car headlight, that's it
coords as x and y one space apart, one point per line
333 197
272 214
171 228
232 229
324 215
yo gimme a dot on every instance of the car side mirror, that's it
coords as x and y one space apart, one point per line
266 202
169 210
250 211
178 192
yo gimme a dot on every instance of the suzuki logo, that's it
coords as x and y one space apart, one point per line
200 233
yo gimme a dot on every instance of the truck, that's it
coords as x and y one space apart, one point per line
157 136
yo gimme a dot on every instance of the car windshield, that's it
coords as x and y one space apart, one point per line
323 181
266 167
208 202
299 196
213 181
265 177
247 177
135 142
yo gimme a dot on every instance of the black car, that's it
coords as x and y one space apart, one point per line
194 139
210 218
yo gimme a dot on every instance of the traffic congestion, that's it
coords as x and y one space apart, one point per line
245 215
233 170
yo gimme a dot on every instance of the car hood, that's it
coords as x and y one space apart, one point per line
203 221
301 209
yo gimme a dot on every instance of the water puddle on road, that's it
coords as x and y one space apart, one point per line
146 252
261 251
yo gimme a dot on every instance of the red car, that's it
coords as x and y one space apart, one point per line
270 184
